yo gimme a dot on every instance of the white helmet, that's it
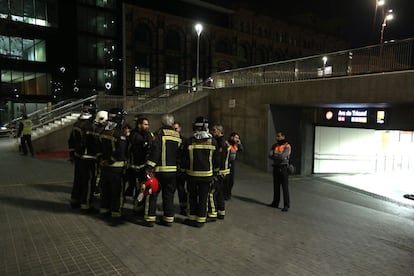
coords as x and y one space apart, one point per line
101 117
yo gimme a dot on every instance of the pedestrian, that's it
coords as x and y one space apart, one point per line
83 150
200 160
113 161
216 198
280 154
235 145
25 133
181 179
162 162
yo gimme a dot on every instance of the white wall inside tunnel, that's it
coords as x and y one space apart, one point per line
357 150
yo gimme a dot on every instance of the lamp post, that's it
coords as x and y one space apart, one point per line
324 60
387 17
199 28
378 3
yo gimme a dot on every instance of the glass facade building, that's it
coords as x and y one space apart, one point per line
53 50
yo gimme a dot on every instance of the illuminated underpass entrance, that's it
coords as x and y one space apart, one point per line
358 150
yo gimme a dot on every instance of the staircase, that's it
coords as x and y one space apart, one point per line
157 101
54 125
58 116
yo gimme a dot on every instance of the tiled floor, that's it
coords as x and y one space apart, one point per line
329 230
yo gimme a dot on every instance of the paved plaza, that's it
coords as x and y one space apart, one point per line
330 229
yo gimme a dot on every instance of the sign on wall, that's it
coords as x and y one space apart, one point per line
354 116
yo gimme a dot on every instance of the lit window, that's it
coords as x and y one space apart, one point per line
142 78
24 49
171 81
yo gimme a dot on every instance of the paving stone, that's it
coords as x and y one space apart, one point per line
329 230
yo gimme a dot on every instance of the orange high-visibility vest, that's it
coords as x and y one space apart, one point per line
281 148
233 148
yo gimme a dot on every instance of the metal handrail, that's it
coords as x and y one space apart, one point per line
58 113
46 115
386 57
165 95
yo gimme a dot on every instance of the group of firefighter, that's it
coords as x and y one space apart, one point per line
112 161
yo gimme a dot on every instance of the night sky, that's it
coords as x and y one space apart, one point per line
355 16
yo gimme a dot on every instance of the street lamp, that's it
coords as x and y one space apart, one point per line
387 17
378 3
324 60
199 28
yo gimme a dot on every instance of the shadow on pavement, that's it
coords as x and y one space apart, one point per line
250 200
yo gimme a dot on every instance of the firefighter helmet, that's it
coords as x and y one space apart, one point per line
89 107
200 124
150 186
101 117
116 115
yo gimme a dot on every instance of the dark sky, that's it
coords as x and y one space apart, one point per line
357 16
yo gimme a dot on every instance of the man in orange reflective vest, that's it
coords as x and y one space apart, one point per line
280 154
235 145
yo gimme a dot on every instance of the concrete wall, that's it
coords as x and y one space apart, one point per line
248 111
251 115
55 141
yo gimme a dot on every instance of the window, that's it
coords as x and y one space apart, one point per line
142 78
25 83
88 77
24 49
172 41
36 12
171 81
142 36
222 46
107 4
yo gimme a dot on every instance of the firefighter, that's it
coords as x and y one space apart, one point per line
112 165
200 160
140 140
83 151
216 197
163 162
181 190
101 119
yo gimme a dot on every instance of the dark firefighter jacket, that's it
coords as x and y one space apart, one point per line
114 146
201 156
224 152
140 146
165 150
83 142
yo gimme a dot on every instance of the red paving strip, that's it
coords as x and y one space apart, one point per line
53 155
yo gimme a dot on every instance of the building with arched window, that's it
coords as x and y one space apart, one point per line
55 50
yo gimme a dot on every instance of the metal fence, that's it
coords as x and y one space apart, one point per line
44 116
387 57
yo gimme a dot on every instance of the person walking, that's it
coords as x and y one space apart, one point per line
25 133
280 154
200 160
